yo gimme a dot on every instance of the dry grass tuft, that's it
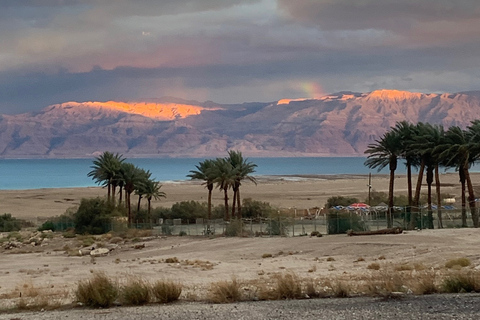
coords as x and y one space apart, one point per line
166 291
225 291
330 259
373 266
135 292
458 263
172 260
98 292
267 255
287 286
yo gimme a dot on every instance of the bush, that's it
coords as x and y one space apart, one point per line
98 292
166 291
136 292
277 227
94 216
189 211
339 201
9 223
253 208
234 228
286 286
460 283
60 223
341 222
225 292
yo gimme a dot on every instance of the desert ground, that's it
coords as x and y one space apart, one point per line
197 262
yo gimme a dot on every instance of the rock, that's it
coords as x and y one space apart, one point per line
99 252
139 246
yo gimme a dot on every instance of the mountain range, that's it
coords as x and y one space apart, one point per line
340 124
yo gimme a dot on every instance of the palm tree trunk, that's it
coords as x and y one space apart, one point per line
225 191
149 209
138 204
120 195
127 201
461 172
439 199
409 187
471 198
109 187
416 199
239 205
234 201
113 193
209 212
429 197
390 199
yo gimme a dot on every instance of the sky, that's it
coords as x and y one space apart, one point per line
232 51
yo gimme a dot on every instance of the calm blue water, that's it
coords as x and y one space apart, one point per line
61 173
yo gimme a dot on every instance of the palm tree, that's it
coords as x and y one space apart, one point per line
407 132
143 177
131 176
456 152
104 170
205 171
224 178
382 153
426 142
152 191
242 170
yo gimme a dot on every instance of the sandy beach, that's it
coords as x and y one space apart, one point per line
300 192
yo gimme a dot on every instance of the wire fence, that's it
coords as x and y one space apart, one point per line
332 222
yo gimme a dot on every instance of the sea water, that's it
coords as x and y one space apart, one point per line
16 174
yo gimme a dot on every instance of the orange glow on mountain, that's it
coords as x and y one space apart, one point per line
287 101
159 111
394 94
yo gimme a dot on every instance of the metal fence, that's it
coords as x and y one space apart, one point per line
287 226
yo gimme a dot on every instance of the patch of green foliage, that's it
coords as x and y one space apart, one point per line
9 223
341 222
94 216
340 201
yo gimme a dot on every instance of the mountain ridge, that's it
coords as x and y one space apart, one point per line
338 124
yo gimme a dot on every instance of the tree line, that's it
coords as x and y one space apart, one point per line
112 171
225 173
428 148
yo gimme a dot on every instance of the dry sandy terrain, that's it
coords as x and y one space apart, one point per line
282 192
202 261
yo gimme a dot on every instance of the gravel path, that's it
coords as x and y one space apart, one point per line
446 306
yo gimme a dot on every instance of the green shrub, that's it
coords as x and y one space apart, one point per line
136 292
277 227
98 292
234 228
166 291
94 216
60 223
9 223
188 211
253 208
341 222
339 201
460 283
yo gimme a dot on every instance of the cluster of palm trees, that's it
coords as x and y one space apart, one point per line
225 173
111 171
428 147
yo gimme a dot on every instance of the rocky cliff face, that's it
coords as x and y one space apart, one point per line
338 124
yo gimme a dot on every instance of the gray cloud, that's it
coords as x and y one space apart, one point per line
231 51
